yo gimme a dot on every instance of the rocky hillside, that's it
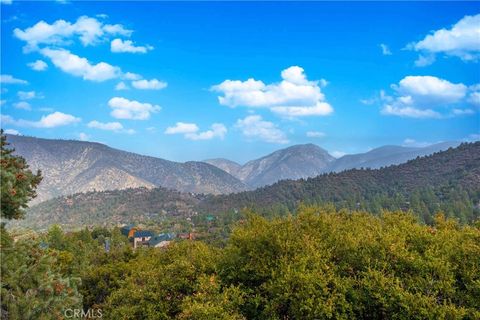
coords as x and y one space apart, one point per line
226 165
70 167
299 161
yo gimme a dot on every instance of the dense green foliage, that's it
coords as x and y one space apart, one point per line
324 264
33 283
319 264
447 181
17 182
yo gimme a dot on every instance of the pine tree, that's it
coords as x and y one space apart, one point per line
18 183
33 285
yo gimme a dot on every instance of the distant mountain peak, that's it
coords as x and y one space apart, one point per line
293 162
226 165
386 156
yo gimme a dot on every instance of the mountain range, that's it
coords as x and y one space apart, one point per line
70 167
447 181
309 160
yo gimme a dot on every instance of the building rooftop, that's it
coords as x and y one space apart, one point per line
143 233
161 237
126 229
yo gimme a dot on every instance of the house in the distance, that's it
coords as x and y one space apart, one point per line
146 238
128 231
161 241
141 238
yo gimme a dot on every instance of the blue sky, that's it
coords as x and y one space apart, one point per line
190 81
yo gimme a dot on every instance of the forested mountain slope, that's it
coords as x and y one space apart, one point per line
386 156
448 181
110 208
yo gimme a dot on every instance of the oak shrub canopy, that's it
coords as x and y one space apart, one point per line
319 264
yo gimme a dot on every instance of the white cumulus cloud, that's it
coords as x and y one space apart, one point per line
294 96
109 126
89 30
153 84
38 65
52 120
321 108
9 79
130 109
191 131
254 127
461 40
56 119
119 45
426 97
218 130
431 90
81 67
182 128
